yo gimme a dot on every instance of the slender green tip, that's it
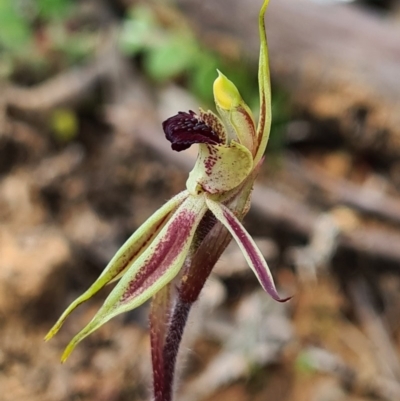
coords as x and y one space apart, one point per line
67 352
53 331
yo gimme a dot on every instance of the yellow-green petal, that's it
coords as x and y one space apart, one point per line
226 94
219 168
125 256
235 113
154 269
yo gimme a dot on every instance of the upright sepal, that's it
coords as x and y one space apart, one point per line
155 267
250 250
264 83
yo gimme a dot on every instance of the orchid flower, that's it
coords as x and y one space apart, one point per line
230 151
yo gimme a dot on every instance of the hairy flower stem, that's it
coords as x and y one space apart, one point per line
166 334
168 318
160 315
171 346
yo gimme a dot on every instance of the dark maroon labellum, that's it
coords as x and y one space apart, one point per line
185 129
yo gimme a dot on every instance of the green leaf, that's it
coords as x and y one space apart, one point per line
15 31
138 31
303 363
170 59
203 76
53 9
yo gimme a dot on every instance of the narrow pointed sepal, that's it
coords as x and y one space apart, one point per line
125 256
154 269
250 250
264 83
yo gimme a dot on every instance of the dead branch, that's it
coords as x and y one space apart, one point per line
324 361
337 190
59 90
385 351
67 87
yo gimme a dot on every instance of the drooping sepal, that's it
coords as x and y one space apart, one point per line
219 168
125 256
247 245
155 267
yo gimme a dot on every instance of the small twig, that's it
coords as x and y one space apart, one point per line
64 88
376 330
345 192
255 337
324 361
318 253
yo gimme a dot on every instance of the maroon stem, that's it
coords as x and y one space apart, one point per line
171 347
160 315
157 362
203 260
212 239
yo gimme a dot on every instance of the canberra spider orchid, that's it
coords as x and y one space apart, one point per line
168 245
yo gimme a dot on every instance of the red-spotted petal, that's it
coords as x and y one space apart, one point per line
219 168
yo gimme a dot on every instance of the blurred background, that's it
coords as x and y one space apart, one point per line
84 87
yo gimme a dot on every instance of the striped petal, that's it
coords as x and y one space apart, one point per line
155 267
250 250
125 256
